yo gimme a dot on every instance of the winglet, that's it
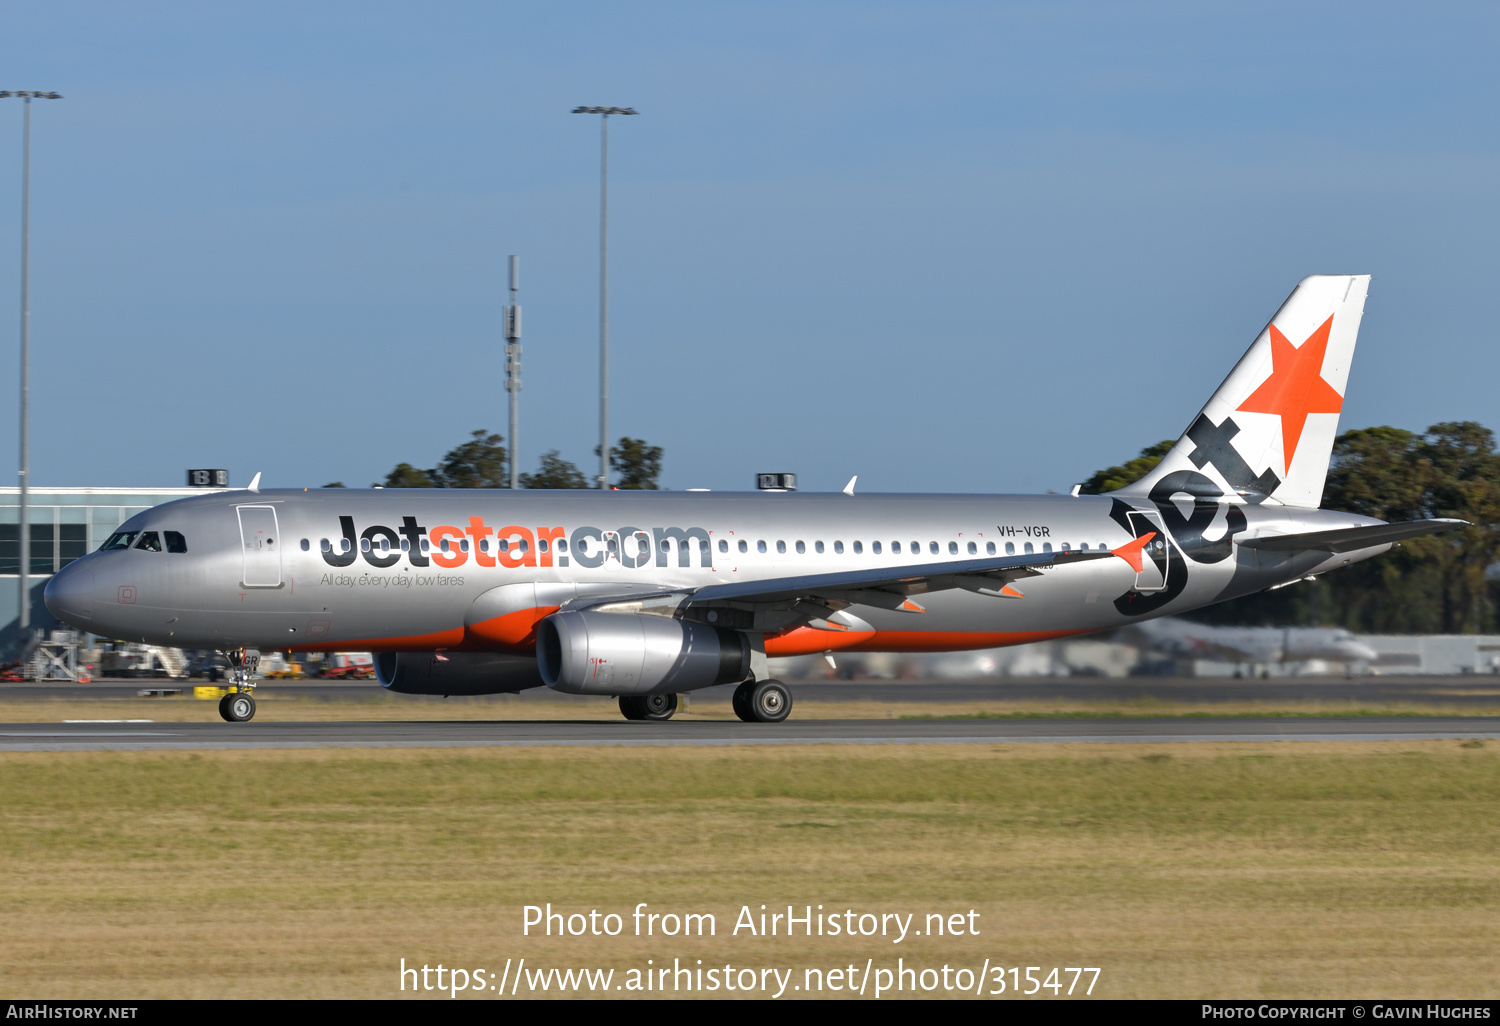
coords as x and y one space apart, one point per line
255 483
1130 552
849 488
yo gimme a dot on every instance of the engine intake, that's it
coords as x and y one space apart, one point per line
587 653
456 673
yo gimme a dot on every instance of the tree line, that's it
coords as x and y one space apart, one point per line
483 462
1442 584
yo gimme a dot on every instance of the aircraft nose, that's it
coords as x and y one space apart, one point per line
70 596
1354 650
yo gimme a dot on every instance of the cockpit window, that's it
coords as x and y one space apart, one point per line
175 541
150 541
118 540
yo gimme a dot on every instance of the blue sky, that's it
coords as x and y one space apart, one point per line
946 247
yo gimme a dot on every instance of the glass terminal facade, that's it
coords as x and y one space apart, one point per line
65 524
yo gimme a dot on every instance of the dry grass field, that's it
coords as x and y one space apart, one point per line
1189 870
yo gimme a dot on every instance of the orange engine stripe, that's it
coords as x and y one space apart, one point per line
809 641
411 643
512 632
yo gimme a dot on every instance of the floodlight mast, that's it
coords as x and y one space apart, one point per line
604 280
23 555
513 366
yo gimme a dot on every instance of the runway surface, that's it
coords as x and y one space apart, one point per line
123 736
1455 691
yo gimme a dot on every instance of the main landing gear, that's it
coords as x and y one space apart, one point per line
239 705
762 701
648 707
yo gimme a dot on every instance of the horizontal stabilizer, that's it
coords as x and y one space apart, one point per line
1350 538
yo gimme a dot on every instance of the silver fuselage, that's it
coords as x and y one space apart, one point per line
269 570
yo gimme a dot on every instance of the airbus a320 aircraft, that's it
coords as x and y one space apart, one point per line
646 595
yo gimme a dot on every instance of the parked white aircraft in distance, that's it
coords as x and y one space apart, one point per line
645 595
1258 646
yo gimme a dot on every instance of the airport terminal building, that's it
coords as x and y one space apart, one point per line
65 524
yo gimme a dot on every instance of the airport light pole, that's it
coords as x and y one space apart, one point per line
24 541
604 280
512 323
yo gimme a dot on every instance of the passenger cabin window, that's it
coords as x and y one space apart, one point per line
325 545
875 548
859 547
973 549
150 541
760 546
896 548
838 548
1065 546
118 540
781 546
306 545
744 546
916 548
953 548
463 545
723 545
562 545
989 548
405 545
1010 548
801 549
1046 546
818 547
344 545
1029 549
364 545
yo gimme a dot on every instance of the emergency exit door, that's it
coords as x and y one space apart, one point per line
261 543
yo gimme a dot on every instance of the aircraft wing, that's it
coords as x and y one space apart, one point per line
814 596
778 602
1350 538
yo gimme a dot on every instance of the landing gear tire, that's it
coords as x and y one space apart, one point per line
741 701
762 701
238 707
648 707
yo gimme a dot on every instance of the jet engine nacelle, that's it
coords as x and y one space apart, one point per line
455 673
588 653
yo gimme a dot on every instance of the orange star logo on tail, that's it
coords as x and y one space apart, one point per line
1296 387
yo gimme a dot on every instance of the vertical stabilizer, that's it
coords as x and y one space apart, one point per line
1267 433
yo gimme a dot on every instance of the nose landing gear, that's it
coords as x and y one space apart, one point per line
239 705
